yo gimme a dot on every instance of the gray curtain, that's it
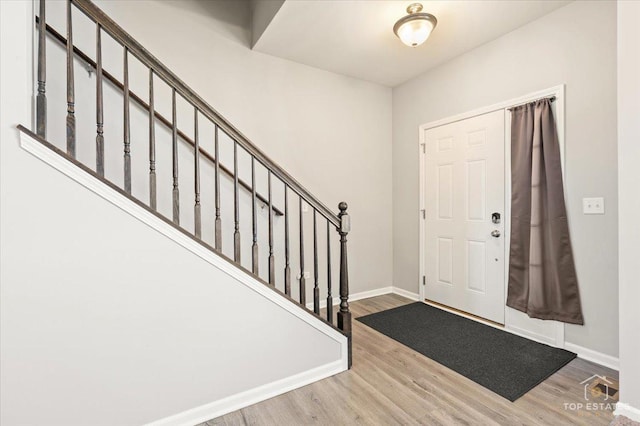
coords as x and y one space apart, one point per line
542 275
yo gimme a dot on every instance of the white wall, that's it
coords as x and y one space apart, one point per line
629 203
574 45
328 131
263 11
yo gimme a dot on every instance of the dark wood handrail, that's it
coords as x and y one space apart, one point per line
143 55
144 105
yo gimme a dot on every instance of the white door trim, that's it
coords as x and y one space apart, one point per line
557 91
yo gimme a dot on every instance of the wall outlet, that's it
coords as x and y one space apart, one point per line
593 205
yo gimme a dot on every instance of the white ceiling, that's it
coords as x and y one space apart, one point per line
355 38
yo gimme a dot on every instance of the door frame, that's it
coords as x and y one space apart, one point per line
557 91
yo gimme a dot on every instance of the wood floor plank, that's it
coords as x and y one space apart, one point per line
391 384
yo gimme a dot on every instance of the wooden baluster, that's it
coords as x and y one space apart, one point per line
99 105
127 125
272 271
329 297
303 290
316 289
41 99
287 267
254 247
236 205
197 216
344 315
218 222
71 112
176 192
153 197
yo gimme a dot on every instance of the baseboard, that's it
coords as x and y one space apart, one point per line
628 411
370 293
404 293
594 356
253 396
527 334
353 297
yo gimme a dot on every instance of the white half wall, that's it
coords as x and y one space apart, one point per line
180 314
628 178
574 45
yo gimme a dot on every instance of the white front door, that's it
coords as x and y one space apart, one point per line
464 191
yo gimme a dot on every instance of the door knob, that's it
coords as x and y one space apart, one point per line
495 233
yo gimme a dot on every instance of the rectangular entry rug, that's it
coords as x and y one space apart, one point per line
502 362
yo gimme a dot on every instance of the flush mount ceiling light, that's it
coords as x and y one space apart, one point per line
415 28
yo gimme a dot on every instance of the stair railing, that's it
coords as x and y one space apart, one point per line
130 47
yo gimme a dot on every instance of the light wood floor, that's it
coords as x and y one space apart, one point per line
391 384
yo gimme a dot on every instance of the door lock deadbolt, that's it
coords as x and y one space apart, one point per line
495 217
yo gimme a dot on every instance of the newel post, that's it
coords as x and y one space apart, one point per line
344 315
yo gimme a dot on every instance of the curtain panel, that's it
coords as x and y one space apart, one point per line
542 275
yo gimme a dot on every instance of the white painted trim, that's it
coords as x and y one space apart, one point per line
404 293
624 409
593 356
367 294
557 91
243 399
495 107
66 167
370 293
422 216
353 297
537 337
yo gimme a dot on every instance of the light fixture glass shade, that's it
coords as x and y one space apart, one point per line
414 33
415 28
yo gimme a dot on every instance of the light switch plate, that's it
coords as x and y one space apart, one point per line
593 205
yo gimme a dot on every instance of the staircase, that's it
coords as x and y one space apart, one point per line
251 194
